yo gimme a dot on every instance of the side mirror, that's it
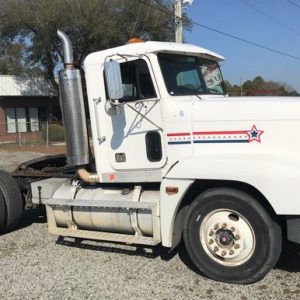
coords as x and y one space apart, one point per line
113 77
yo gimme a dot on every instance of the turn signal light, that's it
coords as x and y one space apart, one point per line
171 190
135 40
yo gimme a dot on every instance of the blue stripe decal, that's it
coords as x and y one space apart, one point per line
209 142
221 141
175 143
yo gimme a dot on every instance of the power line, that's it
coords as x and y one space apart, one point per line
247 41
270 17
293 3
166 10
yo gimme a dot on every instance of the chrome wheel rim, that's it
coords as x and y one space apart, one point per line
227 237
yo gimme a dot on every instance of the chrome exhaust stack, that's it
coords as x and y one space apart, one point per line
67 47
74 113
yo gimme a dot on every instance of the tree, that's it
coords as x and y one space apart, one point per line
260 87
232 90
11 59
91 24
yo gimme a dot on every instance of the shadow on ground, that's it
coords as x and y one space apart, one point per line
143 251
112 247
30 217
290 257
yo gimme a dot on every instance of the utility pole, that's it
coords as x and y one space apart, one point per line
241 85
178 6
178 21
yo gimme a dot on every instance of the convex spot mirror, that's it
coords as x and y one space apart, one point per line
113 77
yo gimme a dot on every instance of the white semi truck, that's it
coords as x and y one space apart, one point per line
172 158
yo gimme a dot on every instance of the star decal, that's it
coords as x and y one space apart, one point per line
254 134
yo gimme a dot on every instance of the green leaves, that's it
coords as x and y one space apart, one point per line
91 24
260 87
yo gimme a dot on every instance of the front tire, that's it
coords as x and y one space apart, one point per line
230 237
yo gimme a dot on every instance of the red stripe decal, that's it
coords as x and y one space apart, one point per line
220 132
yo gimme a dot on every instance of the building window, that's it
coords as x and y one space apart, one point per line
11 120
24 119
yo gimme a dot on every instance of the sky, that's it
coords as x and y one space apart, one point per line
244 61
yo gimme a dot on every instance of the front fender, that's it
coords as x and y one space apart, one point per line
169 205
277 177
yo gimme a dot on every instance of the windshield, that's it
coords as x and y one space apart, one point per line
188 75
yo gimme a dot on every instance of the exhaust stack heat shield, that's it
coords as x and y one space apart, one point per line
74 117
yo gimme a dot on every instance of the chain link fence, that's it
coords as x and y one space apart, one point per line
39 133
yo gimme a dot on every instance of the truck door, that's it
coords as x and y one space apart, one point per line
135 133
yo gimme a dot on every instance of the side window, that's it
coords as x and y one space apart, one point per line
137 82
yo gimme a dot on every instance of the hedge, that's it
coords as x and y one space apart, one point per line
56 133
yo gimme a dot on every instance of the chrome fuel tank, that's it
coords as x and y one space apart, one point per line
106 218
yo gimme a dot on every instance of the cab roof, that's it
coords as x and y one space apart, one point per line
137 49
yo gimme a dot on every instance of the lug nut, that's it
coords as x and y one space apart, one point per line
211 233
211 241
223 253
236 246
237 237
231 252
216 227
224 225
216 249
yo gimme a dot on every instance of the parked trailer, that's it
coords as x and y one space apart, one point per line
173 159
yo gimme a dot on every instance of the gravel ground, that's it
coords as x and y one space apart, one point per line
37 265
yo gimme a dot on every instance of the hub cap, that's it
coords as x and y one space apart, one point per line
227 237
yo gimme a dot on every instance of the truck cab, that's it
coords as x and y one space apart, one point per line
160 83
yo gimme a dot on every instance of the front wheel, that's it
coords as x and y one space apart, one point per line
230 237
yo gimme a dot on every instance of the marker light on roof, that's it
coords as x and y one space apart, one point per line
135 40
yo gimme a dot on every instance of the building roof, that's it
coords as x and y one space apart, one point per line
25 86
151 47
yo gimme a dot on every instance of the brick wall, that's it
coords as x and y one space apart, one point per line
50 103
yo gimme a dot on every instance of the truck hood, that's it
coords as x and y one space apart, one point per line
246 109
